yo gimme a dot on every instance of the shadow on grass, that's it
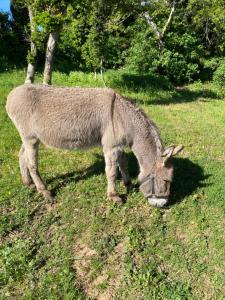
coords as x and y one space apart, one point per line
61 181
152 85
141 82
188 176
184 95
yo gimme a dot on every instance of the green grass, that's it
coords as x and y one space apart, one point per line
85 247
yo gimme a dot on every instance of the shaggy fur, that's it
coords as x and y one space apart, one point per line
79 118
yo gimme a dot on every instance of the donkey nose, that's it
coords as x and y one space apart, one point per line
158 202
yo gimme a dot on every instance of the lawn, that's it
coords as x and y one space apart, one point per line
85 247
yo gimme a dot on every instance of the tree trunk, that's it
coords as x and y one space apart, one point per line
52 40
33 52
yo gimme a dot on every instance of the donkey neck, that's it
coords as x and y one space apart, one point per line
147 145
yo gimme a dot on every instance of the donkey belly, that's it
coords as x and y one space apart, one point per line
73 141
69 137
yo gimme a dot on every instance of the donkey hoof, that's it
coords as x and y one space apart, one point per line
31 186
47 195
115 198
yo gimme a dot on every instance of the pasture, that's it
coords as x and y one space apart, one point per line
85 247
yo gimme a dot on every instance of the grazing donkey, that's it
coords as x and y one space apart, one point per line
79 118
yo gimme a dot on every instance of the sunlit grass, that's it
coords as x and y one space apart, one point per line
84 246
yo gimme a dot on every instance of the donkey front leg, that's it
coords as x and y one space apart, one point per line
111 160
123 165
31 148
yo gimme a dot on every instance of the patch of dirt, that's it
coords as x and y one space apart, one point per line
187 233
104 285
203 288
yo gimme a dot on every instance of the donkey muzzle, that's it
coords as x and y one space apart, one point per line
147 187
157 202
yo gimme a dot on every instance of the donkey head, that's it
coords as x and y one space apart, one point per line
156 186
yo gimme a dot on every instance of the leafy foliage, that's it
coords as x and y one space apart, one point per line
116 34
9 41
179 60
219 74
208 19
82 246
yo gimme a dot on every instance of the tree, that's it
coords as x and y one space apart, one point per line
107 36
31 7
208 17
157 6
175 54
174 38
46 18
10 38
5 37
32 56
51 17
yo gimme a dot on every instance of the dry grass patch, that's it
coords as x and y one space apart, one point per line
103 283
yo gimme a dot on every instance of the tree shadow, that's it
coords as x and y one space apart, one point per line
154 85
188 177
141 82
184 95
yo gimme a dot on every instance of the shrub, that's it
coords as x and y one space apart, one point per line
179 61
143 54
219 74
208 67
4 63
177 68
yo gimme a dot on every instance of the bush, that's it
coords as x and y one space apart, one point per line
143 54
4 63
177 68
179 61
219 74
208 67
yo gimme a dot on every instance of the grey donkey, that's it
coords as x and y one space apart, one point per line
80 118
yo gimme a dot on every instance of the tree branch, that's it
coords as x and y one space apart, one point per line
158 32
169 20
152 24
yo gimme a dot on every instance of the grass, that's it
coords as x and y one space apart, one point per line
85 247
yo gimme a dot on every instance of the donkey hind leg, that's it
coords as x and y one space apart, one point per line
31 149
111 160
123 165
24 170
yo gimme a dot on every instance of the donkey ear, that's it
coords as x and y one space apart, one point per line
171 151
168 152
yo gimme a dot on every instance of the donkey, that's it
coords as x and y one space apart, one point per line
80 118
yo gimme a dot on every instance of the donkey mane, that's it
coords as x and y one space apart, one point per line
139 113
